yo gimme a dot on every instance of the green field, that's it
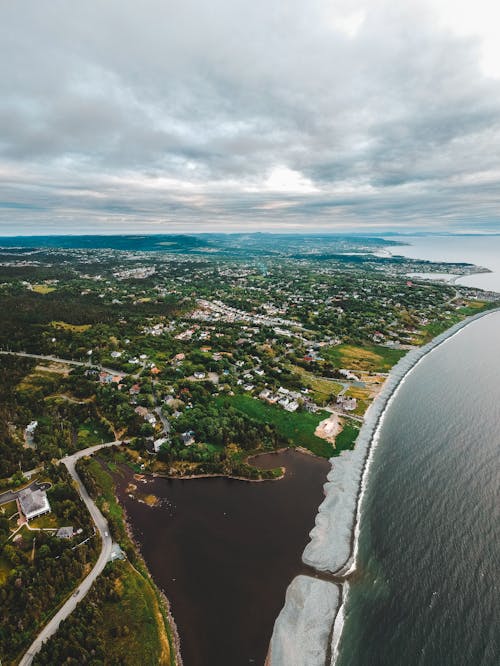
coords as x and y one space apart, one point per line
141 608
145 641
347 438
93 432
370 358
321 387
298 427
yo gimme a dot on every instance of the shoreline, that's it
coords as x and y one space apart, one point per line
163 599
190 477
333 547
221 475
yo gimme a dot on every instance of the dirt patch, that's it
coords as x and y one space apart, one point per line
329 428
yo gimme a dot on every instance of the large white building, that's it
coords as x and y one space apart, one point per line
33 503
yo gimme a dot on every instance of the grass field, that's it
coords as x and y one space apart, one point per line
298 427
322 388
145 641
347 438
92 432
42 289
8 510
435 328
70 327
151 638
371 358
363 397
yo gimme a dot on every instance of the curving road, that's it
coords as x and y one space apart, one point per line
104 557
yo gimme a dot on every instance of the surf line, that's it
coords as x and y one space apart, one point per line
371 436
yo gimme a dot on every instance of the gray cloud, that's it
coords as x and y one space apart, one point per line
228 114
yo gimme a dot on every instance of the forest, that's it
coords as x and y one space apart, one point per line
40 569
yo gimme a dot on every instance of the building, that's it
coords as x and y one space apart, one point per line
65 532
33 503
187 438
157 444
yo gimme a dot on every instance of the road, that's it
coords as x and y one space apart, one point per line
104 557
11 495
55 359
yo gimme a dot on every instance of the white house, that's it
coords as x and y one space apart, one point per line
33 503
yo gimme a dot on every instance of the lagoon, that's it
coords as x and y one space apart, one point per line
224 552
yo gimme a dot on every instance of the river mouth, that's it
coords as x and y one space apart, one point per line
224 552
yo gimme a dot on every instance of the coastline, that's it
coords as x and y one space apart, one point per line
188 477
335 537
164 602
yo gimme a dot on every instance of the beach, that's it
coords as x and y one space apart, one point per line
335 536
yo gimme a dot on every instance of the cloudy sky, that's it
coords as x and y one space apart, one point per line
221 115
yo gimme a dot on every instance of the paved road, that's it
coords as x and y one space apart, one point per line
104 556
11 495
55 359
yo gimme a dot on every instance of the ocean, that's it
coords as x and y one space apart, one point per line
479 250
426 589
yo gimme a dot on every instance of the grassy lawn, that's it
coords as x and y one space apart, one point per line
107 501
150 639
8 510
43 380
42 289
42 522
371 358
347 438
91 433
145 641
322 388
436 327
363 397
70 327
298 427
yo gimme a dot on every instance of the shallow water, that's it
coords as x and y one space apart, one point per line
426 591
224 551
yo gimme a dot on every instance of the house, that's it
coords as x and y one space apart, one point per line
31 427
141 411
349 404
135 389
33 503
187 438
105 378
65 533
199 375
157 444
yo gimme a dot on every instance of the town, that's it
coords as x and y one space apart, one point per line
183 364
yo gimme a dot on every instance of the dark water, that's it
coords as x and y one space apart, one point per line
428 587
225 551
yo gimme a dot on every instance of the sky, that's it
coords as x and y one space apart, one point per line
120 116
